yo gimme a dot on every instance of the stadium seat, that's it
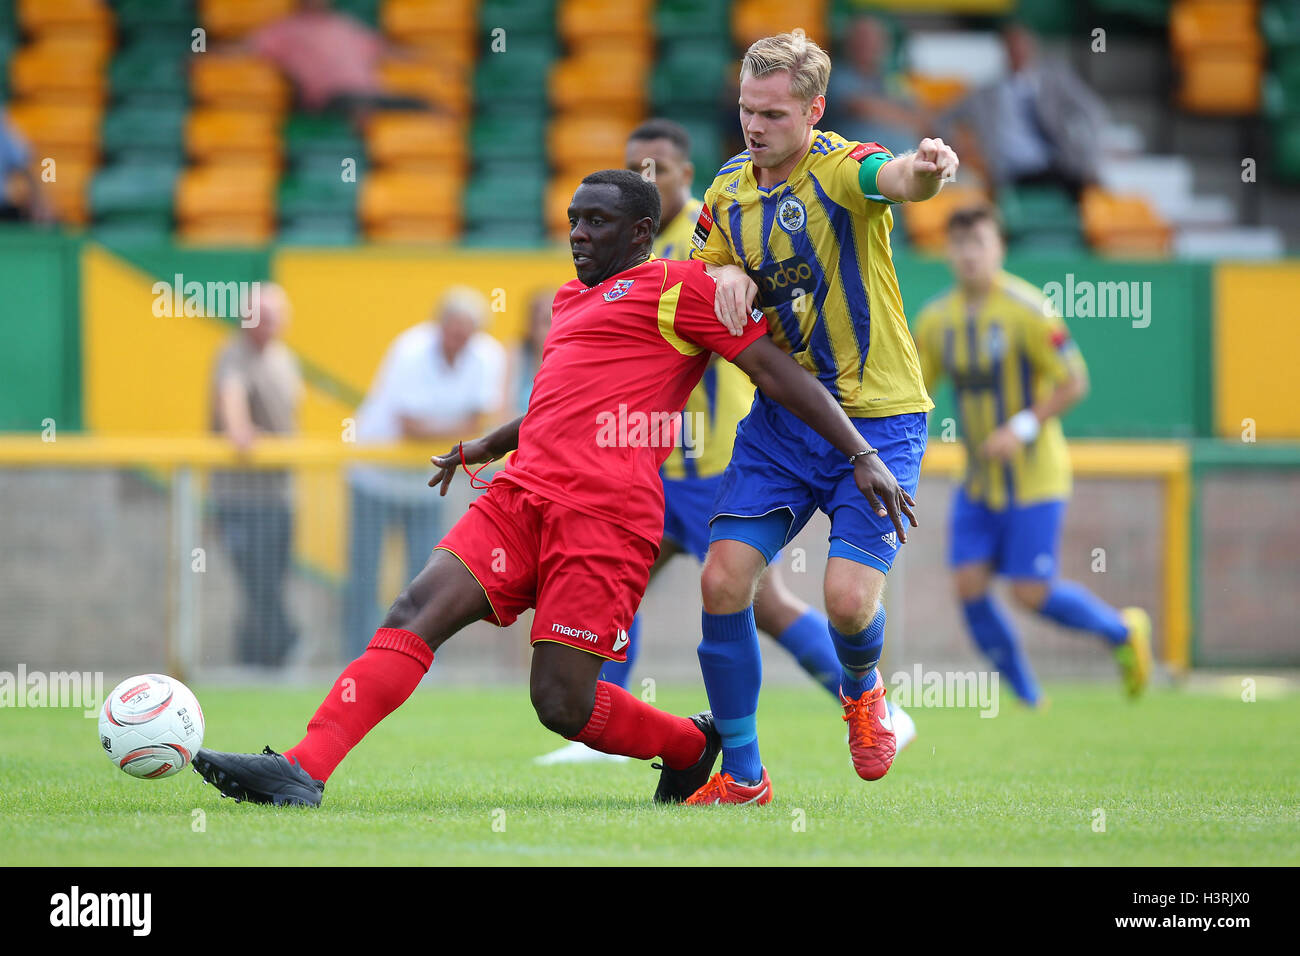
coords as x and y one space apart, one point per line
753 19
242 230
597 25
402 205
506 134
70 71
40 17
936 93
230 19
129 190
690 76
559 191
404 138
927 222
1221 85
236 81
520 18
428 23
145 131
509 198
224 192
59 130
150 71
213 134
1222 25
691 19
1118 224
440 85
586 142
607 81
147 15
67 193
517 79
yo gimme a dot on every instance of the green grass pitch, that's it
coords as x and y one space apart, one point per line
1181 779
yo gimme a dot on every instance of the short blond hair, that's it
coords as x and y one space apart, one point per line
807 63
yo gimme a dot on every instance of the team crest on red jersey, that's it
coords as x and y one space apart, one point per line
619 290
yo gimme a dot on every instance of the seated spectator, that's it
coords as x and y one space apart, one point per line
332 59
866 100
256 388
20 191
1040 124
440 380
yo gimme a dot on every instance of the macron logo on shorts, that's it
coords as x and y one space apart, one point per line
574 632
620 642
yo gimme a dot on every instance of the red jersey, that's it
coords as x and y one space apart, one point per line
619 362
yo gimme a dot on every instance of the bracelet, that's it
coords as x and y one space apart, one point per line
869 451
1024 425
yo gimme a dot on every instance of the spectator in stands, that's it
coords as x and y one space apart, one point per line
256 388
332 59
441 380
867 100
20 191
529 355
1039 124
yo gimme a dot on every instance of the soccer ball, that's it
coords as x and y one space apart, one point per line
151 726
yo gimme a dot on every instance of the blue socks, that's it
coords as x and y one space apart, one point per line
807 641
859 654
617 673
1075 606
733 671
996 637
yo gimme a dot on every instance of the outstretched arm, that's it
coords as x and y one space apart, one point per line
914 177
491 446
783 380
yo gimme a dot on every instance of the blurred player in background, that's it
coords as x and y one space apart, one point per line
1016 371
571 525
660 150
801 220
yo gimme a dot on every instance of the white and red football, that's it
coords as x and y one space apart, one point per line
151 726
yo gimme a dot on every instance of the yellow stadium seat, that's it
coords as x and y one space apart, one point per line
70 71
1122 224
559 192
587 22
580 140
752 19
244 230
38 16
604 81
239 82
226 191
927 222
407 139
410 205
214 133
68 192
418 22
1223 25
936 92
59 129
228 19
1224 85
440 85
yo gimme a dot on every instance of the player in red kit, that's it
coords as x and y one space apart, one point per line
572 524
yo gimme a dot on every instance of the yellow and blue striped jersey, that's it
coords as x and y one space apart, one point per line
818 247
724 394
1002 358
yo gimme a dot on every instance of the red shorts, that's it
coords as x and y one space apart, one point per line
584 575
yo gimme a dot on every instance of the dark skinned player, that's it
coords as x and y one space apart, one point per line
571 525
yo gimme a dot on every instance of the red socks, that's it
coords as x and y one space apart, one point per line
621 724
368 690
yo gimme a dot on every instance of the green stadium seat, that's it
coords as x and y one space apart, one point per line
366 11
516 77
131 188
1152 13
1286 148
690 74
511 199
504 235
131 130
323 136
518 18
133 229
310 196
147 68
135 15
1279 23
686 19
507 134
1038 212
319 230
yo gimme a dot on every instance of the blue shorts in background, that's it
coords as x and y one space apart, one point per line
688 504
782 471
1019 542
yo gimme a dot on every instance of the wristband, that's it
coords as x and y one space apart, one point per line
1024 425
860 454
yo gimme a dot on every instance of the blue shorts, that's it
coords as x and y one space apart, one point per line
782 471
688 503
1019 542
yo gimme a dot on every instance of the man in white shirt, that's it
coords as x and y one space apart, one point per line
440 379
